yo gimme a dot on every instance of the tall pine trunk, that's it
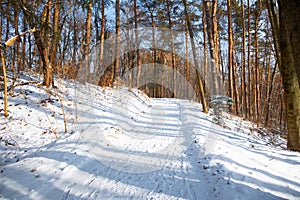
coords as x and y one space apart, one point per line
243 80
249 60
256 89
230 51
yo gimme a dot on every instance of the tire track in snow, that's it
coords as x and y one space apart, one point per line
172 181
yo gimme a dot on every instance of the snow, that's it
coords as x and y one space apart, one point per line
120 144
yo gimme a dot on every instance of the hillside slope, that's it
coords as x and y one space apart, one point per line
120 144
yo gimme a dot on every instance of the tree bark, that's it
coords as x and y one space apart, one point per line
17 43
249 59
117 44
102 33
200 84
243 81
137 44
41 36
289 38
290 14
187 63
168 2
5 95
205 70
87 41
256 89
56 33
230 51
212 33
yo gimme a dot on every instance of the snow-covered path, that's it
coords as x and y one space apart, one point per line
127 146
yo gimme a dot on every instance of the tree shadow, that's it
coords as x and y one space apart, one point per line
81 176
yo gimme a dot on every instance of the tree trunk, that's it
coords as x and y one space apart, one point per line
102 32
42 36
249 60
56 34
5 99
243 81
212 33
205 70
235 88
200 84
168 2
153 50
230 51
289 38
187 69
257 71
45 34
24 42
86 67
75 40
5 95
16 55
215 34
270 89
117 45
289 11
137 50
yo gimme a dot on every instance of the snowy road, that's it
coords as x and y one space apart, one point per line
127 146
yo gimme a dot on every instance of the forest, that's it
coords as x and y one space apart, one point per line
247 50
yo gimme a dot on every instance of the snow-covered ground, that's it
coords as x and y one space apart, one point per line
120 144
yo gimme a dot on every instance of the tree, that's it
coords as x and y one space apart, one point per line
117 44
243 80
41 35
289 39
284 28
87 37
102 37
213 40
230 51
249 58
137 50
151 9
169 5
56 33
8 43
256 89
200 83
289 17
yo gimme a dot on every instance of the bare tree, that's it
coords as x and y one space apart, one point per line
41 35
